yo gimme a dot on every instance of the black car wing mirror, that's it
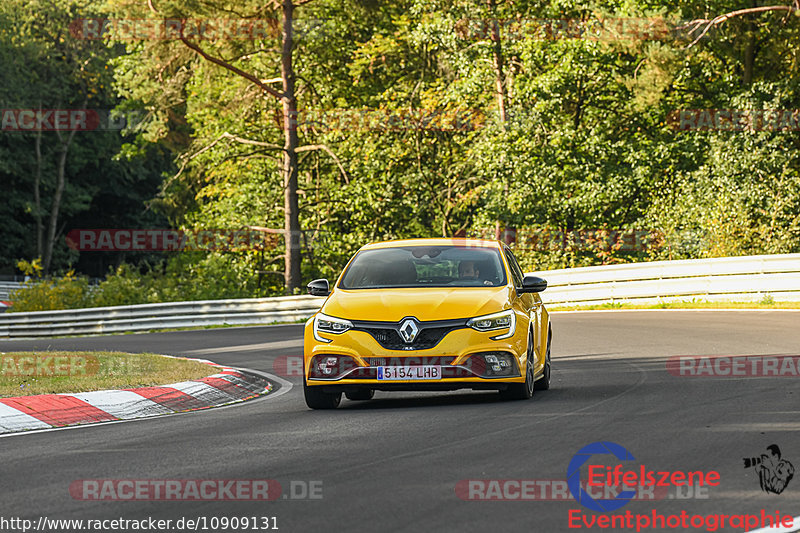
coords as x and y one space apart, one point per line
533 284
319 287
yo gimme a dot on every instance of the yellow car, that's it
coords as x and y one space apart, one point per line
427 314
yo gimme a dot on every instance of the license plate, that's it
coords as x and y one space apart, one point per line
409 372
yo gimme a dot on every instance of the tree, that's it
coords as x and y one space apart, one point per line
44 70
287 97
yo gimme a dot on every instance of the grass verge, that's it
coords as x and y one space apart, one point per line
693 304
52 372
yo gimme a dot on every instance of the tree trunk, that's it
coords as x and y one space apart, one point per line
749 49
37 199
749 60
500 91
290 204
56 205
289 101
497 53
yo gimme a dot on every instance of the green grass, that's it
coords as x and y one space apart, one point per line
52 372
765 303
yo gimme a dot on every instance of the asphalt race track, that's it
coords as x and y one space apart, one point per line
393 464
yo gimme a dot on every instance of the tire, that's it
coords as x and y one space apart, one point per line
543 383
360 395
522 391
316 398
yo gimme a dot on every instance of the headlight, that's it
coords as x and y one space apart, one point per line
328 324
496 321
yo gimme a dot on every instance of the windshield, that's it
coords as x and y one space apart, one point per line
425 266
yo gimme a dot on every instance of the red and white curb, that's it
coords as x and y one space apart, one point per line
47 411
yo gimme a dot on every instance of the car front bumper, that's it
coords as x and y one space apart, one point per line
452 355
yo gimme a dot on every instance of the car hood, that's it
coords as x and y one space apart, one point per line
427 303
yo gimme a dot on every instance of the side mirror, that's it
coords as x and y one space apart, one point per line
533 284
319 287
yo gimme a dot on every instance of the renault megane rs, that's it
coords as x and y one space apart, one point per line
427 314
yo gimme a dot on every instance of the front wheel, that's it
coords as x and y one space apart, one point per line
522 391
543 383
316 398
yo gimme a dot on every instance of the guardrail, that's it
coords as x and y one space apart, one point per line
739 278
6 287
747 278
131 318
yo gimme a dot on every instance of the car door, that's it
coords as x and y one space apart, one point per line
529 302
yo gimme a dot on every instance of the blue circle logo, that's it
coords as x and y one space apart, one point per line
574 476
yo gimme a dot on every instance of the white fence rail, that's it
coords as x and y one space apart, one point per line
729 278
6 287
735 278
100 320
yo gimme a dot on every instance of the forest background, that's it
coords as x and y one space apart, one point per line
581 133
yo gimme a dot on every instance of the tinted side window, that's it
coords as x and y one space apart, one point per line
516 271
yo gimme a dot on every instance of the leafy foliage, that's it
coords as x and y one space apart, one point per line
181 279
588 143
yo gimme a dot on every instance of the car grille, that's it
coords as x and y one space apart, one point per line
426 338
409 361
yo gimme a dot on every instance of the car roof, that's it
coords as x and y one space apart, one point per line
442 241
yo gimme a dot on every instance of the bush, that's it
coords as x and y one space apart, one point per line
67 292
183 278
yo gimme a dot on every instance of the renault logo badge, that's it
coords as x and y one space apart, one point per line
409 330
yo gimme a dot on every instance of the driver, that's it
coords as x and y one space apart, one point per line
468 270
